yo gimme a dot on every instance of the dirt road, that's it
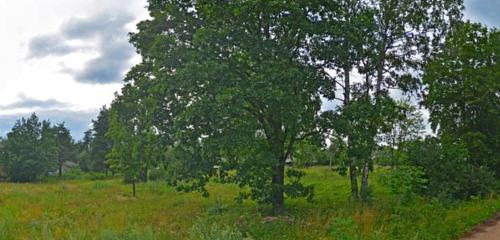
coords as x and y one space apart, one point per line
489 230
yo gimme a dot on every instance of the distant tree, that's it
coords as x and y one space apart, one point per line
101 144
2 147
309 153
408 126
83 148
29 150
336 154
65 146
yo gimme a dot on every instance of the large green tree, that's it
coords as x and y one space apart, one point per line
387 42
462 96
137 141
83 148
235 81
341 31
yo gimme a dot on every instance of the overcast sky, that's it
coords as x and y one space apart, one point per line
65 59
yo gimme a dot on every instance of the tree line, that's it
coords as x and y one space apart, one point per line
35 148
235 89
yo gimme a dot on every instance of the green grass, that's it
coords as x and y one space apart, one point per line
104 209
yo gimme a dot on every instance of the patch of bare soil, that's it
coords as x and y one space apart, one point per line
489 230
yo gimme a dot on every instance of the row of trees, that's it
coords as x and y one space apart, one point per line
235 88
34 149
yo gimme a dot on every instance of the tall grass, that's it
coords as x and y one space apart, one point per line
82 208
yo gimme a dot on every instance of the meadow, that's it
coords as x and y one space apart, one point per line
104 209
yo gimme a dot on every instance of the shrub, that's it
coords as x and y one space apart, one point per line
405 181
309 154
97 176
448 167
74 174
157 175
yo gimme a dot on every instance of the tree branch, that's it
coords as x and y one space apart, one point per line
306 135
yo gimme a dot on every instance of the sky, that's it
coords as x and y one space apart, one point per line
65 59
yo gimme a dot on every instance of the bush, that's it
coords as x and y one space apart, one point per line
405 181
74 174
308 154
450 172
97 176
157 175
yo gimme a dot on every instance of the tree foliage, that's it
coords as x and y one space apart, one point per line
462 97
29 151
387 42
101 144
65 146
237 87
462 92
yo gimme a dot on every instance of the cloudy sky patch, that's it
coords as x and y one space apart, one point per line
25 102
103 33
65 59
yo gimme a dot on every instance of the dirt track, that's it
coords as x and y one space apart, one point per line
489 230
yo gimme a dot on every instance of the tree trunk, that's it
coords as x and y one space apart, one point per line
380 68
354 181
347 86
133 187
60 170
393 157
378 84
364 181
145 174
278 183
352 166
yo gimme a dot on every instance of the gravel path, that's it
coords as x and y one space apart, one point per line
489 230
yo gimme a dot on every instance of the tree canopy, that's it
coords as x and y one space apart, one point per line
29 151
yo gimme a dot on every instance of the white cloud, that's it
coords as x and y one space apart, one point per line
42 79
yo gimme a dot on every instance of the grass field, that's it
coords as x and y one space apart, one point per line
104 209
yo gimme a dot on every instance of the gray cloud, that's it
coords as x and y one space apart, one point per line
76 121
110 36
485 11
28 102
101 25
108 67
48 45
